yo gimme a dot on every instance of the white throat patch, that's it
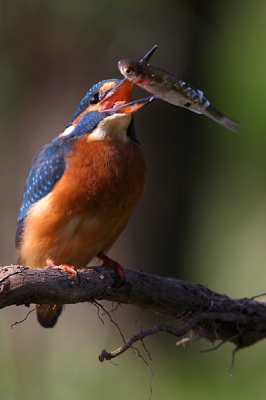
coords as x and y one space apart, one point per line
114 126
67 131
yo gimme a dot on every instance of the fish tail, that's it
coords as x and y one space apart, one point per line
222 119
231 124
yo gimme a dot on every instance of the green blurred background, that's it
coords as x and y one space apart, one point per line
203 214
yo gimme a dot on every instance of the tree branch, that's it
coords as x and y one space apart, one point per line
209 315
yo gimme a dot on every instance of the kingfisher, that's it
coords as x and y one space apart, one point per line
83 187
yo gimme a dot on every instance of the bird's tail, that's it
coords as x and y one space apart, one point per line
47 315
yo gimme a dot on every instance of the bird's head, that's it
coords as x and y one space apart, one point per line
106 110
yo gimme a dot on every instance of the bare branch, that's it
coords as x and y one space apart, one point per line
207 314
105 355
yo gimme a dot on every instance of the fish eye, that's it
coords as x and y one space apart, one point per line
129 70
94 98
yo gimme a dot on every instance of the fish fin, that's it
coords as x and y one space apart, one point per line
231 124
222 119
194 111
148 55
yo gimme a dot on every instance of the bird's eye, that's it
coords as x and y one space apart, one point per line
129 70
94 98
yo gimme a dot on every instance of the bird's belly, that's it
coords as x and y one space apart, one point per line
74 239
85 237
86 212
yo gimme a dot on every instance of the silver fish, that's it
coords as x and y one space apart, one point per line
168 87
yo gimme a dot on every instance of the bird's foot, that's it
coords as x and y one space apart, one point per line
108 262
64 267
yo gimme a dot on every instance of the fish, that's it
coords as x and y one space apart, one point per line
172 89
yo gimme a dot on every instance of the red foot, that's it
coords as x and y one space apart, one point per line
69 268
108 262
49 262
65 267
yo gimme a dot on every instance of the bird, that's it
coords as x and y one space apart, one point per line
82 187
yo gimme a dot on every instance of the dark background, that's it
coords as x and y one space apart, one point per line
202 216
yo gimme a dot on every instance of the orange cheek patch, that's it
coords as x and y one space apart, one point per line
108 86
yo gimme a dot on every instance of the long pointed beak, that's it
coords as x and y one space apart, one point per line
117 96
132 107
118 99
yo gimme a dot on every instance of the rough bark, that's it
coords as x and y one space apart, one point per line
209 315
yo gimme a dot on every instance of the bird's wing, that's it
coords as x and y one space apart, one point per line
50 163
47 168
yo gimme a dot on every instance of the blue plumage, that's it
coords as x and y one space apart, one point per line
88 122
49 165
54 222
86 99
47 168
50 162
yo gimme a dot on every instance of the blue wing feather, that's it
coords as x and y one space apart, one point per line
49 165
47 168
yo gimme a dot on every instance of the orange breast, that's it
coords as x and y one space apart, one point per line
89 206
